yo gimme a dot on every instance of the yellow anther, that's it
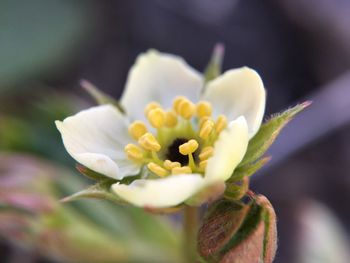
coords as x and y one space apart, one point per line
133 152
203 164
181 170
151 106
157 169
156 117
186 109
203 109
206 153
206 129
170 165
188 147
137 129
202 120
149 142
221 123
170 119
177 102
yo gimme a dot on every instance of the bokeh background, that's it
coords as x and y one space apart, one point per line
300 48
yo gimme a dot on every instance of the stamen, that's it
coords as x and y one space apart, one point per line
203 164
181 151
149 142
181 170
206 129
188 147
133 152
156 117
151 106
157 169
170 165
186 109
137 129
177 102
221 124
203 109
170 119
155 158
202 120
206 153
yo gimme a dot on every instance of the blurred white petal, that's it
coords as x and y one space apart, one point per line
159 193
229 150
159 77
238 92
96 138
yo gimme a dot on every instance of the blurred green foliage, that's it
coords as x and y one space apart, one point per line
40 36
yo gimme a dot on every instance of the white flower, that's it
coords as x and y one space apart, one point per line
195 137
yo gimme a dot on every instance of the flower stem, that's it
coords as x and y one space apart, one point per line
190 229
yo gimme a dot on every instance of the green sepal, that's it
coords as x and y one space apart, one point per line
222 220
239 232
270 236
237 190
99 96
213 69
100 190
268 133
248 169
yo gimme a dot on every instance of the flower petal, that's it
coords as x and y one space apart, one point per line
95 138
159 193
159 77
229 150
238 92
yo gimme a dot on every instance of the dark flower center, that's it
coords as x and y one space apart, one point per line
174 155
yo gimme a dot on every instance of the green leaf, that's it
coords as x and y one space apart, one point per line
100 97
213 69
100 190
248 169
268 133
84 231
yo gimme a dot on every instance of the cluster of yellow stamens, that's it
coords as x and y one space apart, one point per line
190 123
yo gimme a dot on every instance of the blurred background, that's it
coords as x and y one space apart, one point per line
300 48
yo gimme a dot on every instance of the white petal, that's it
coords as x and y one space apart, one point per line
238 92
96 138
229 150
158 193
159 77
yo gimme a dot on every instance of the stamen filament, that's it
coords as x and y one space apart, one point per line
191 162
156 158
